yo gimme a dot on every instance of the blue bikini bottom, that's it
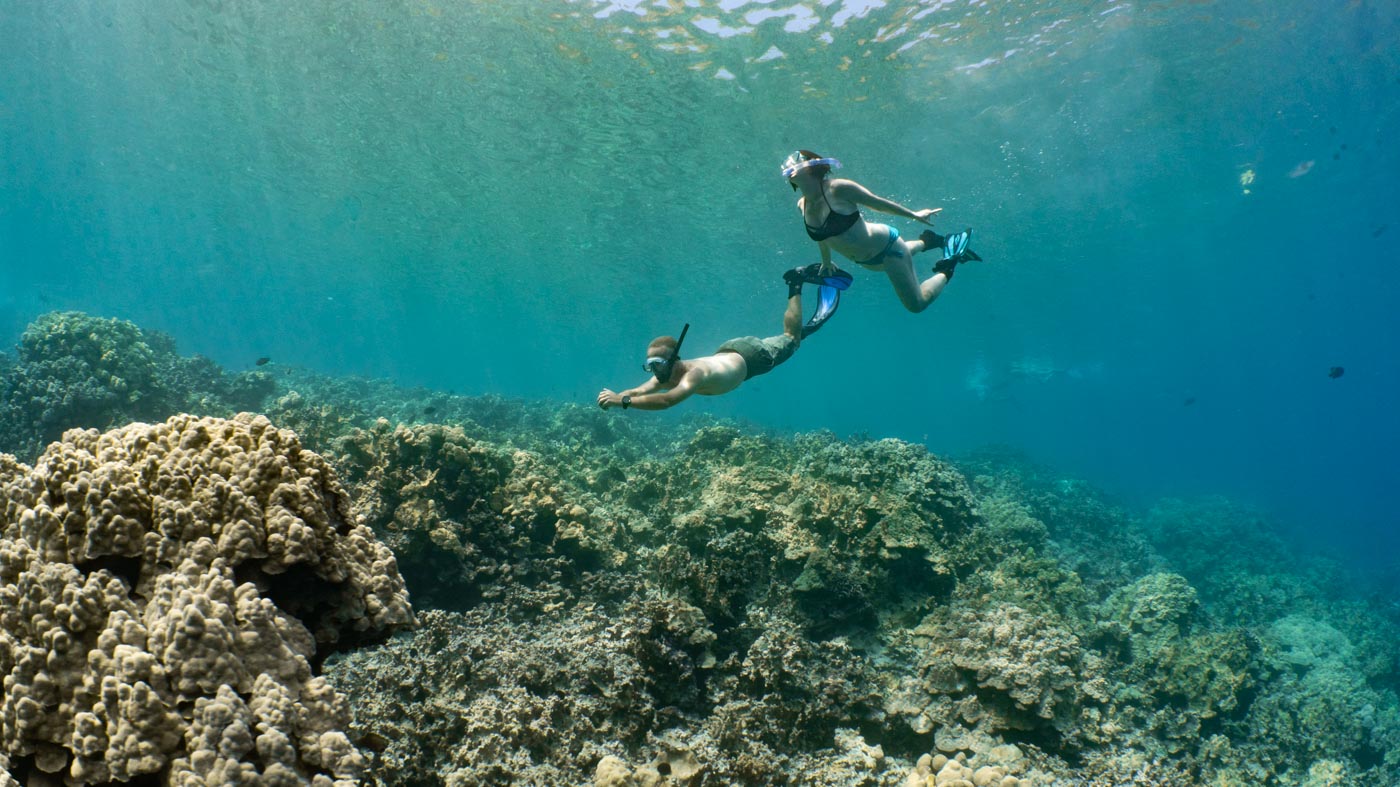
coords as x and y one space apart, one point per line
890 250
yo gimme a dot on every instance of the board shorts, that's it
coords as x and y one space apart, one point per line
760 355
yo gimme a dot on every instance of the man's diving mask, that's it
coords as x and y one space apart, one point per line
802 159
661 367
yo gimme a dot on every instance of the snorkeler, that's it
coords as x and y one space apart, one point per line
831 211
674 380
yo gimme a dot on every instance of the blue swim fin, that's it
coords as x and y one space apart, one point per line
828 298
811 274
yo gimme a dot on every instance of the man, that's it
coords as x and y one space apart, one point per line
674 380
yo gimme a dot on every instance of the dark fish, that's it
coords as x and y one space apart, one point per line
1336 372
1190 400
262 361
429 410
374 742
1379 231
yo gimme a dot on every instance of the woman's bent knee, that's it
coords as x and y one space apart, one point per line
913 303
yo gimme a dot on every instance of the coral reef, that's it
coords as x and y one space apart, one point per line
465 518
77 371
630 601
168 594
840 533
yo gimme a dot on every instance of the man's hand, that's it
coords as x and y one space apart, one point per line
608 398
926 215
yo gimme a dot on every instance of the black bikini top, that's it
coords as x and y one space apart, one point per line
835 223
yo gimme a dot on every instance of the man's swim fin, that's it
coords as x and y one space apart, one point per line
829 287
811 274
828 298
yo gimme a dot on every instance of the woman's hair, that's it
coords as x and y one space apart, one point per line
822 170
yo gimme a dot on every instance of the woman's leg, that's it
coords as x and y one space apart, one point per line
914 295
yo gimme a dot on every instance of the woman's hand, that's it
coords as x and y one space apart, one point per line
926 215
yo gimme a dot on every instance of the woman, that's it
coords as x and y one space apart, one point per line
831 211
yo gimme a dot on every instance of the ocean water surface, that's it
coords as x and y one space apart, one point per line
1188 211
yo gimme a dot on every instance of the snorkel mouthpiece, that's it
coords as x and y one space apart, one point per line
799 161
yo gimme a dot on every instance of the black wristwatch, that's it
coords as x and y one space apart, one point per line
626 402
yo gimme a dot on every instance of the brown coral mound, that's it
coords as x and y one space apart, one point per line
465 518
168 592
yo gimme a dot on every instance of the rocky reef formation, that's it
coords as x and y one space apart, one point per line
605 601
169 593
72 370
747 609
740 608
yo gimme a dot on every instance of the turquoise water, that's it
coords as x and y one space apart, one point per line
1189 212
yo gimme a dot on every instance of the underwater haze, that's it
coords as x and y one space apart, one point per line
1188 211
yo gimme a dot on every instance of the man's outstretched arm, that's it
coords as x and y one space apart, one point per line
648 401
652 385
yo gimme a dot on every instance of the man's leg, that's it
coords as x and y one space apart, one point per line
792 318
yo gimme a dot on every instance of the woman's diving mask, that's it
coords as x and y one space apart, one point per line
802 159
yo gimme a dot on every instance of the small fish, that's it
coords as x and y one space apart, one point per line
429 410
1336 372
262 361
374 742
1303 168
1379 231
1190 400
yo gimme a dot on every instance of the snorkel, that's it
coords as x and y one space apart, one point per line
805 159
662 367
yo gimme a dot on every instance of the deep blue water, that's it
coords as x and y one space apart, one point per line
1189 212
